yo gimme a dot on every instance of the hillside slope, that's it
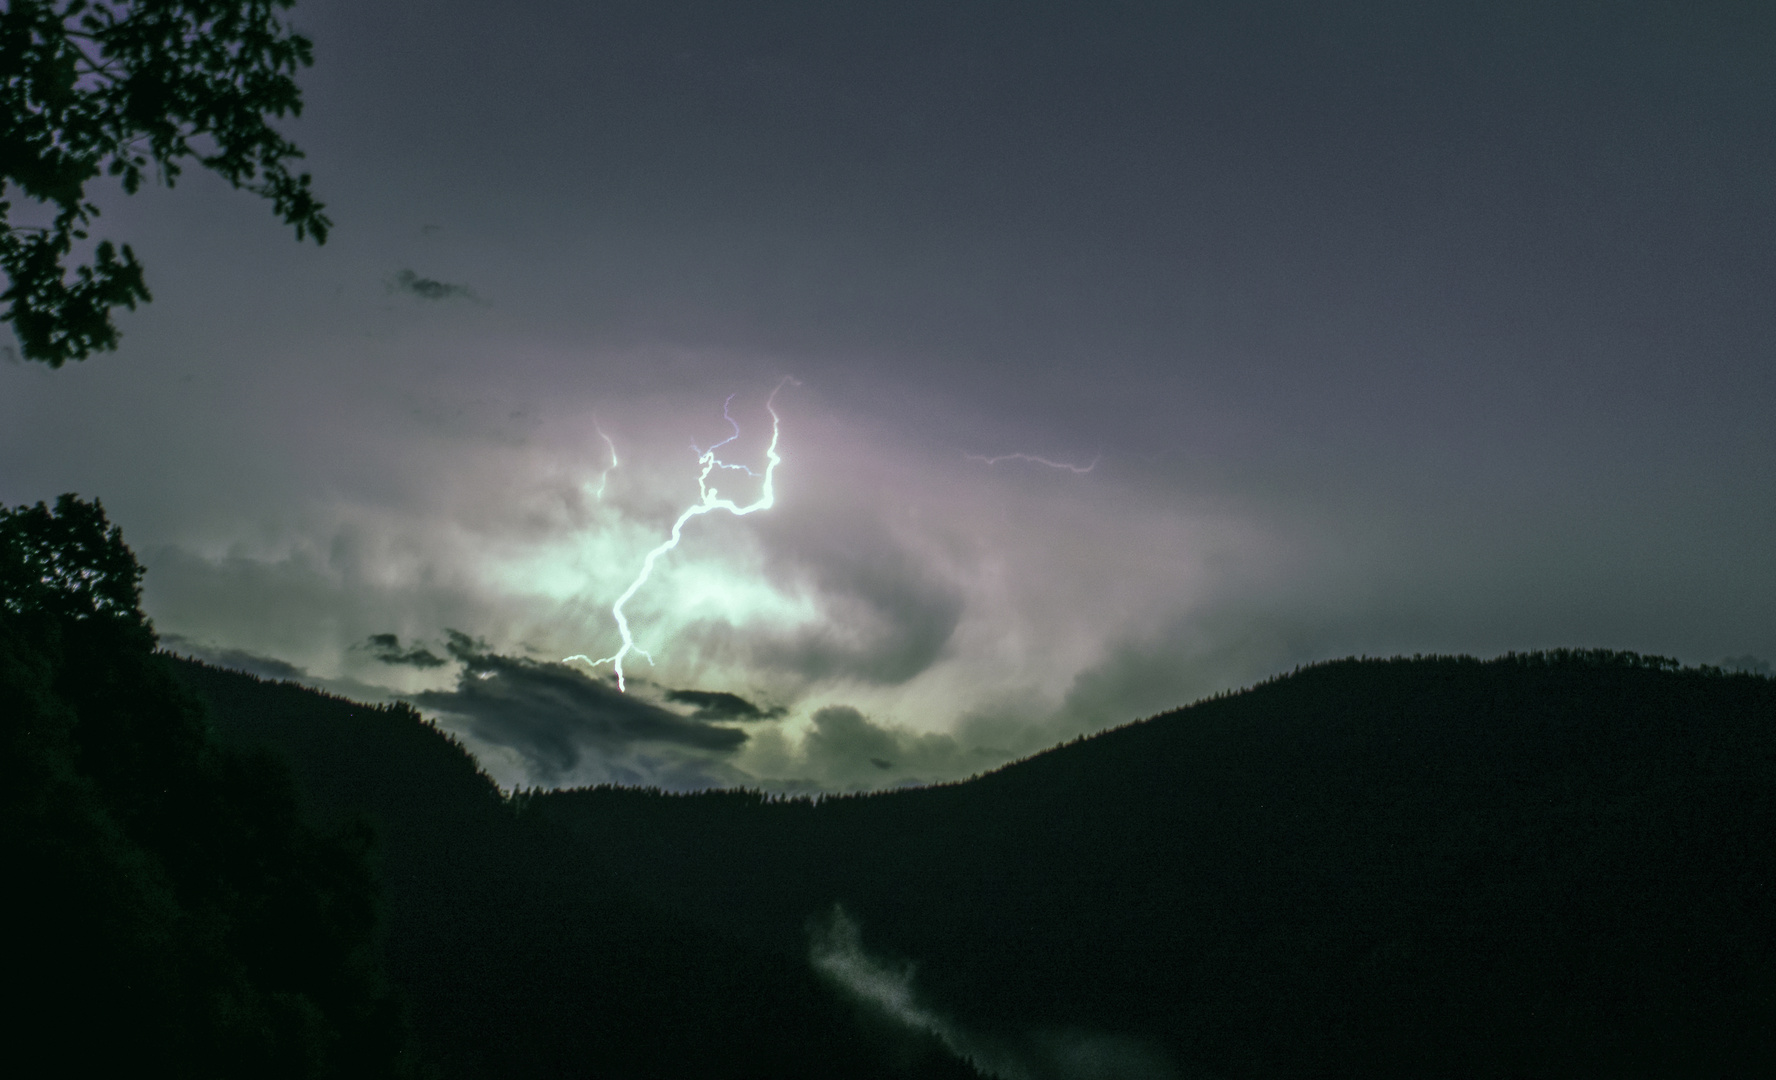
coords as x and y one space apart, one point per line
1541 865
517 955
1550 865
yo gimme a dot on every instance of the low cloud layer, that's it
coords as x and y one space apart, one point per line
386 648
552 725
570 728
839 748
275 670
265 667
720 705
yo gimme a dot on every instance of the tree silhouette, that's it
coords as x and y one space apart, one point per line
122 87
175 906
67 563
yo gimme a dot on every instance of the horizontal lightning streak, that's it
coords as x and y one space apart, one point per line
1079 469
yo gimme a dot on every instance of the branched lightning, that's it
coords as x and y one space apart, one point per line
1079 469
735 424
709 499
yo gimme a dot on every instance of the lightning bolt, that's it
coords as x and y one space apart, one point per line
709 500
735 424
1078 469
598 492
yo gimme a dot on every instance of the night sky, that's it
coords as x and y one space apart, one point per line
1365 329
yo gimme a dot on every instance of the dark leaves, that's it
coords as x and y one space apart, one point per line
119 88
69 563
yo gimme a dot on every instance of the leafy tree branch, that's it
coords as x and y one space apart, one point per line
120 88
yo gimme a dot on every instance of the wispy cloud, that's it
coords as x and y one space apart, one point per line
266 667
1037 460
720 705
273 668
426 288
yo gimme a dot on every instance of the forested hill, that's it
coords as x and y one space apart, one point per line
1552 865
517 953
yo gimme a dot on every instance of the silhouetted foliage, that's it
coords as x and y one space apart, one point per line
170 906
124 87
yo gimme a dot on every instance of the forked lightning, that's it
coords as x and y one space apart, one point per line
709 500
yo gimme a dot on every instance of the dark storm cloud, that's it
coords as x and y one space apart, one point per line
428 288
719 705
555 717
844 749
899 630
841 734
386 648
888 617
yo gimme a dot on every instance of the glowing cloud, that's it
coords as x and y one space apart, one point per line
709 500
1079 469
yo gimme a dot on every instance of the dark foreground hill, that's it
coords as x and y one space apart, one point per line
1545 865
519 953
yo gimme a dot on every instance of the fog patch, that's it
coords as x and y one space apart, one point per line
886 988
1747 665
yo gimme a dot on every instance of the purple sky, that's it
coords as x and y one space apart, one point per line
1389 328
